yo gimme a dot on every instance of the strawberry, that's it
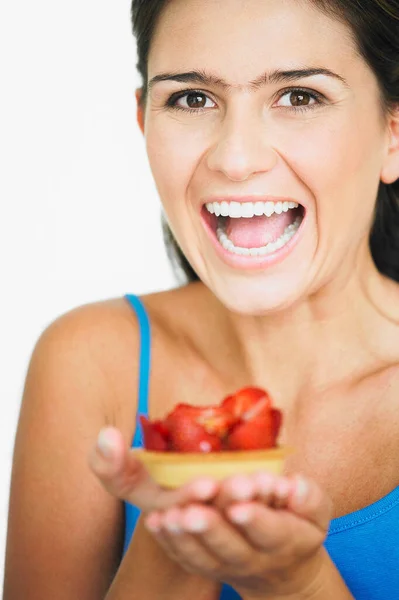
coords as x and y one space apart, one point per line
155 434
248 403
214 419
277 417
244 421
187 435
257 434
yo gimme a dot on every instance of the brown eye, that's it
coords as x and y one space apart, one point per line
195 100
191 102
299 98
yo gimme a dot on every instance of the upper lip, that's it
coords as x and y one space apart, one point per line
242 199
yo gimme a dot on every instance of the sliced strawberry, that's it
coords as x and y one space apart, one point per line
183 409
215 419
186 435
244 421
248 403
155 434
257 434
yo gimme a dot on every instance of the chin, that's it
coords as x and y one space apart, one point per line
261 296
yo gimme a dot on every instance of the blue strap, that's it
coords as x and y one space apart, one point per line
145 362
132 513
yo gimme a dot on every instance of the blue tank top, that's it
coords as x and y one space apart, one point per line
364 545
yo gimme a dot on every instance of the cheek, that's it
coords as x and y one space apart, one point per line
174 152
340 166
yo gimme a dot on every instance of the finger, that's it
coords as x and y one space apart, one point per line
272 490
217 535
109 461
270 530
125 477
265 528
239 488
309 501
282 489
266 487
264 484
179 544
153 523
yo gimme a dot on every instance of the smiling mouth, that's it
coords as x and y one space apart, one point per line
253 228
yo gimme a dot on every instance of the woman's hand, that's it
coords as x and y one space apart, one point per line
243 540
123 476
262 534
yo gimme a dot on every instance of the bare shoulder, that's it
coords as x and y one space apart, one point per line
184 339
100 342
65 532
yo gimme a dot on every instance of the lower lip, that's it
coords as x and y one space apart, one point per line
253 263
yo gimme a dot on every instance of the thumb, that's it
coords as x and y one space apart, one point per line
309 501
125 477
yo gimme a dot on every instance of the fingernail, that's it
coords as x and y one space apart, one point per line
241 515
204 489
105 444
173 528
301 492
152 525
282 488
196 523
265 483
242 489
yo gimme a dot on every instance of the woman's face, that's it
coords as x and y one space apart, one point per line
318 140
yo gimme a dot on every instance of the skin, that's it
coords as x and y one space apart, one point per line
320 332
330 159
262 534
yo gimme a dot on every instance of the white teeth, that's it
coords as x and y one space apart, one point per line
224 209
259 209
237 210
289 233
269 208
247 210
217 209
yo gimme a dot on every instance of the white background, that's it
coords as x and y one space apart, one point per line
79 213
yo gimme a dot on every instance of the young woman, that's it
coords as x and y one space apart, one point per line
272 131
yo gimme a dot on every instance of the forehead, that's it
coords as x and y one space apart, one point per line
242 36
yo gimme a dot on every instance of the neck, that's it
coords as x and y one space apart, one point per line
336 334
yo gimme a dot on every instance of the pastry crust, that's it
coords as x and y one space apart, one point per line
173 469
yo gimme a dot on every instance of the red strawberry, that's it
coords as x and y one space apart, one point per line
244 421
257 434
186 435
214 419
155 435
248 403
277 417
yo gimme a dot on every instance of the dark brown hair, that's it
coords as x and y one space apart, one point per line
375 29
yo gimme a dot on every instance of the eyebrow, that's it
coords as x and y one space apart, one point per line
268 78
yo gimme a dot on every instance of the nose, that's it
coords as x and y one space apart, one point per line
242 149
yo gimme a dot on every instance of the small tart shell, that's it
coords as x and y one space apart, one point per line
173 469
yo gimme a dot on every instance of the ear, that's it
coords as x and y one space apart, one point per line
140 110
390 169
